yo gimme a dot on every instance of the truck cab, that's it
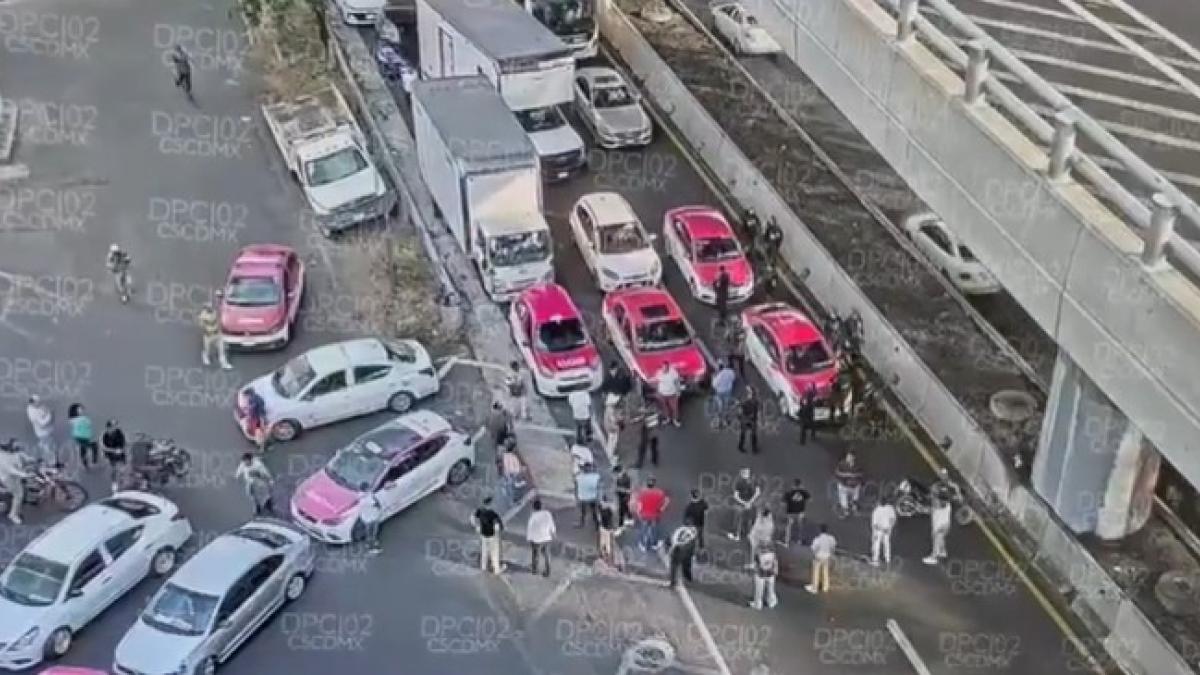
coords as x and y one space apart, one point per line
513 254
559 146
574 21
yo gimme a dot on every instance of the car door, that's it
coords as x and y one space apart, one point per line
249 603
684 254
429 472
88 588
129 560
519 326
294 278
756 351
397 486
329 399
583 99
372 387
585 235
937 245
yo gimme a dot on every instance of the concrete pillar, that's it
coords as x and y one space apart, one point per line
1062 148
1093 466
1162 226
977 71
906 19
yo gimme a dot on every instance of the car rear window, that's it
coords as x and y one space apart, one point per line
398 351
135 508
262 536
656 311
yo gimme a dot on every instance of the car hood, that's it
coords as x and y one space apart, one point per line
739 270
146 649
584 357
689 361
555 141
823 379
624 119
329 197
260 319
632 264
15 619
322 498
759 37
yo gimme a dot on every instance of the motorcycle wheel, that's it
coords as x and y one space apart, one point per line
906 506
69 495
965 515
181 463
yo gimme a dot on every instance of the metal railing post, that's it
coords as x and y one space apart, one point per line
977 70
1162 226
1062 147
906 19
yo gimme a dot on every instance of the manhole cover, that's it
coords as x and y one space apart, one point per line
1012 406
649 656
1179 592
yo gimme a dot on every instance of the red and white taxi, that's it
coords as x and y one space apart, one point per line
262 297
790 353
549 330
701 242
648 330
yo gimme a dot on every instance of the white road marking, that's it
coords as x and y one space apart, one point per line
1156 30
1130 130
906 646
1176 178
1111 99
1100 71
1134 48
577 572
1065 16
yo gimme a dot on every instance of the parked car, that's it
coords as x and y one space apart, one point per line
76 569
949 255
552 337
339 381
741 29
401 462
361 12
262 297
701 242
614 243
611 109
648 330
217 600
791 354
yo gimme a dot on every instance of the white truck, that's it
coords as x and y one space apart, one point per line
483 173
326 153
361 12
533 69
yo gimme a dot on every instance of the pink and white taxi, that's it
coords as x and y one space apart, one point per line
549 330
400 462
702 243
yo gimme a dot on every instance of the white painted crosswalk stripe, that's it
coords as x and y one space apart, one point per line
1179 179
1065 16
1074 92
1099 71
1133 131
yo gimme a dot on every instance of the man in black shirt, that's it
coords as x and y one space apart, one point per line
617 380
748 421
489 526
683 550
648 436
695 513
795 502
808 414
624 489
721 291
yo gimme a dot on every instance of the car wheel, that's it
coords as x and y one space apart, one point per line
459 473
285 430
163 561
401 402
295 587
58 643
207 667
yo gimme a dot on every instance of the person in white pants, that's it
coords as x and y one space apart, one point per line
766 568
939 522
883 520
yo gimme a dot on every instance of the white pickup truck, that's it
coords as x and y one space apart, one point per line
326 153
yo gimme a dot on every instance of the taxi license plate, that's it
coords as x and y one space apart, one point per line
563 174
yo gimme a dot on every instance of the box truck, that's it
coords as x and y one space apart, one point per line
532 69
326 153
483 173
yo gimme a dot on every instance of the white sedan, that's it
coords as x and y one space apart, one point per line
339 381
949 255
71 573
399 463
741 29
614 243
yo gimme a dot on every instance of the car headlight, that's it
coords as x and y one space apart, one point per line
609 274
25 640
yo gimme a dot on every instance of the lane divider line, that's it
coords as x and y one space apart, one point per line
906 646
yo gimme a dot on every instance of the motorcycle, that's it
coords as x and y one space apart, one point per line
913 498
163 460
44 483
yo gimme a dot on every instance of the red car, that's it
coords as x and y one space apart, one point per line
648 330
262 297
552 337
701 242
790 353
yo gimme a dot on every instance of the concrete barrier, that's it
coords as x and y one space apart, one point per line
1044 540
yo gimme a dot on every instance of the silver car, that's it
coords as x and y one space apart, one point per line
611 109
217 600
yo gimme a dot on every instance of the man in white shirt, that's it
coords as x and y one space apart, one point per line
12 476
581 456
42 420
766 568
939 522
823 548
883 519
371 513
581 411
668 387
540 532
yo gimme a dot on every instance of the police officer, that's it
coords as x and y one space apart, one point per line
721 290
748 421
808 414
183 70
210 333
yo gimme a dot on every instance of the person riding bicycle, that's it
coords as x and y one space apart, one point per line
13 472
142 461
118 264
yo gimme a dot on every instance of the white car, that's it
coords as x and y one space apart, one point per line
71 573
399 462
611 109
741 29
615 245
560 149
339 381
361 12
947 253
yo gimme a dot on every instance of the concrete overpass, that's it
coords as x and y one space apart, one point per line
1095 261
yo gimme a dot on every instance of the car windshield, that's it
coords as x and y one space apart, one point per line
540 119
32 581
621 238
965 254
357 466
180 611
751 21
293 377
562 336
519 249
330 168
400 351
613 97
807 359
565 17
716 249
252 292
663 335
